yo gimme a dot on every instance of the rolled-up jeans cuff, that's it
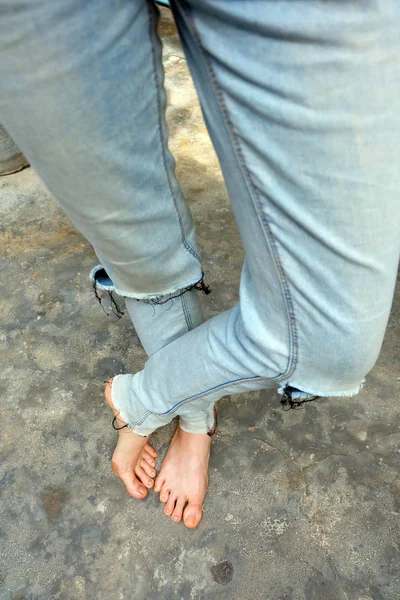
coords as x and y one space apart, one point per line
139 419
198 421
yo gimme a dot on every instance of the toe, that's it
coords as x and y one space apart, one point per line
164 495
143 477
148 459
148 469
192 515
150 450
133 486
159 483
170 505
178 510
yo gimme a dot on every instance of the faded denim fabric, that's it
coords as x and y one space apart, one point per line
301 100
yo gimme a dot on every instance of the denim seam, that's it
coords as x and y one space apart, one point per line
205 394
210 392
271 243
186 313
141 420
172 410
163 141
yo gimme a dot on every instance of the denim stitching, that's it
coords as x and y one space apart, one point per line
141 420
186 313
207 393
158 83
271 243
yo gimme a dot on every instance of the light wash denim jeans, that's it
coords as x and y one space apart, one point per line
302 102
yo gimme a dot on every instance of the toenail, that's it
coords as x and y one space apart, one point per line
191 520
142 490
176 518
153 473
149 482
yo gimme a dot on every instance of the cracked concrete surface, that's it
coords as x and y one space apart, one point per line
302 505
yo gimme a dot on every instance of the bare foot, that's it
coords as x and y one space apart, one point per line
183 479
133 459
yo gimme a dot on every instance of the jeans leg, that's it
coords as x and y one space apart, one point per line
82 95
302 104
157 325
158 322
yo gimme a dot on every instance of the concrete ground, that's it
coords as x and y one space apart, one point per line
302 505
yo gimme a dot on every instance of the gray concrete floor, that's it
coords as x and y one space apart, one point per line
302 505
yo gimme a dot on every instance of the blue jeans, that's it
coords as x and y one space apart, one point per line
302 102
